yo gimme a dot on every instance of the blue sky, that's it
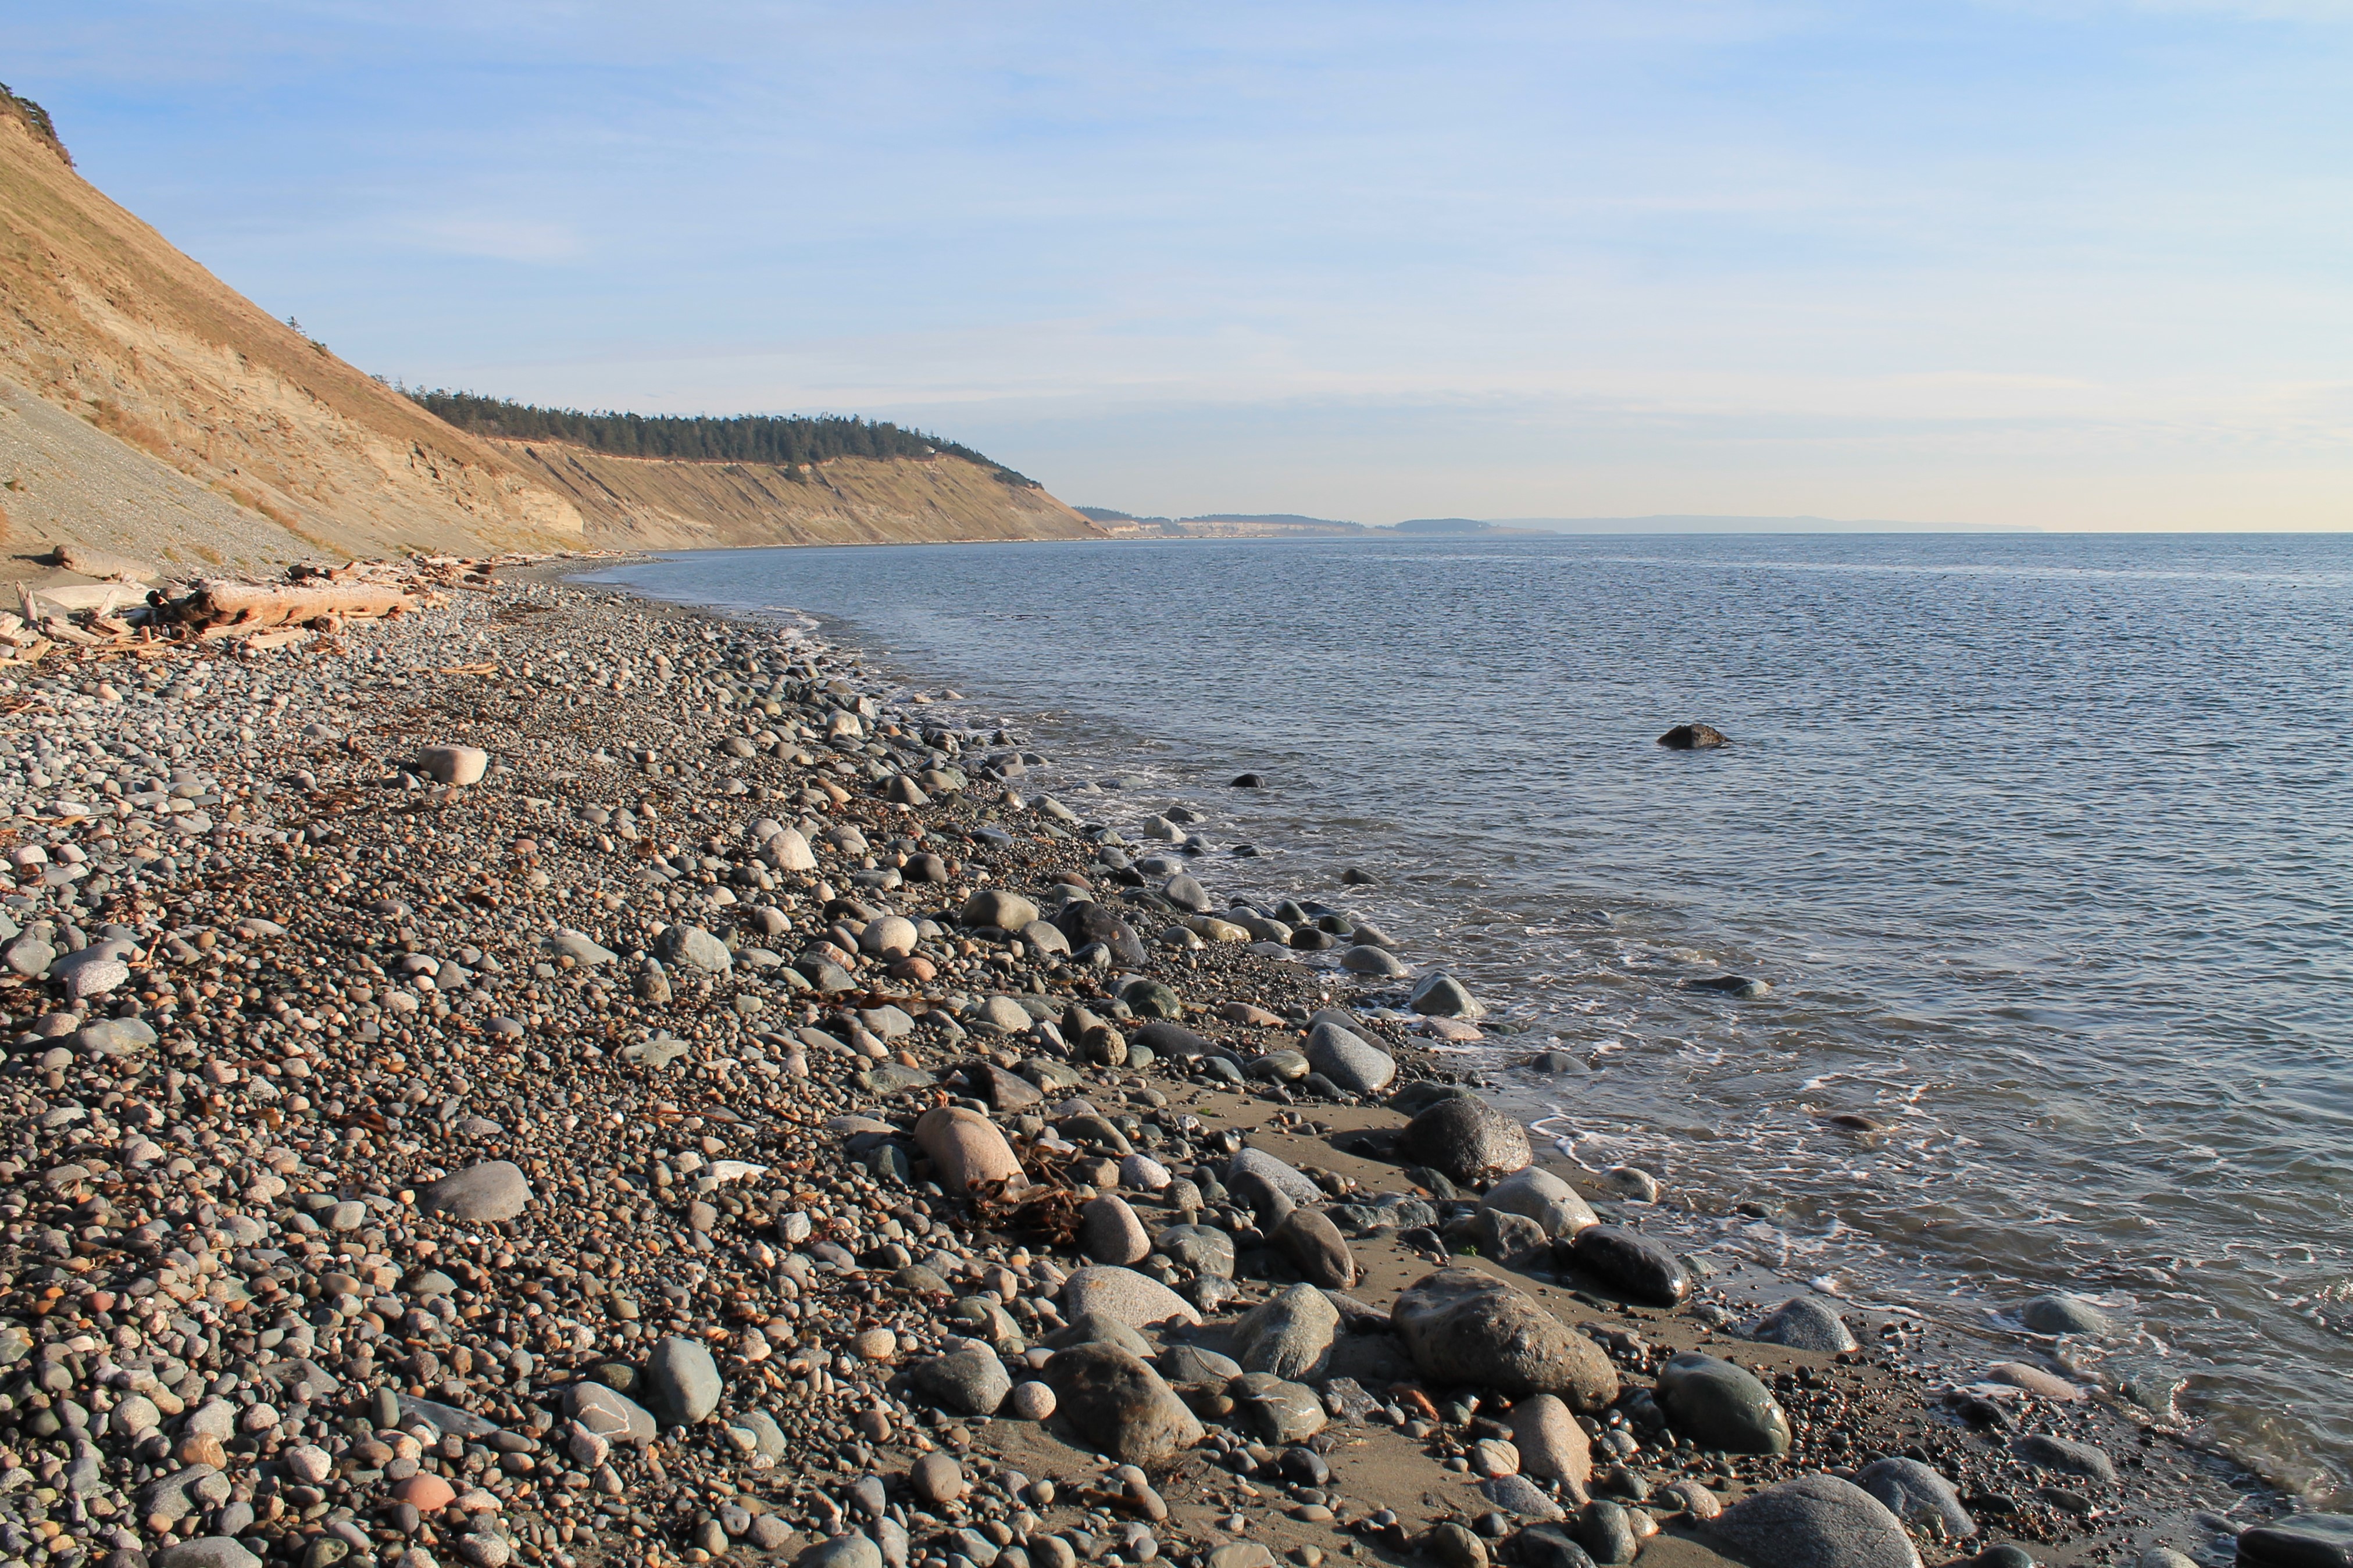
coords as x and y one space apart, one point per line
2070 265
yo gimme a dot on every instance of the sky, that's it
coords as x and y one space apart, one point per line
2071 264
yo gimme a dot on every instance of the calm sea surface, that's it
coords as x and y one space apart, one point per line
2045 846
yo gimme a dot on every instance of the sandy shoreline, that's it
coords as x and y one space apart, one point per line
359 984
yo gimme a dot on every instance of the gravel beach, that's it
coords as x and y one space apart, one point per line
560 1079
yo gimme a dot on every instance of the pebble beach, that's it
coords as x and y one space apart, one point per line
558 1078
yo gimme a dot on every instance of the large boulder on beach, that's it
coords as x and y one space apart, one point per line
1441 996
1807 1324
1462 1326
1257 1163
1316 1249
1552 1446
1917 1495
1536 1194
1109 1231
484 1193
1722 1407
1350 1061
692 947
786 850
995 907
1289 1334
1117 1403
609 1414
1203 1248
1137 1300
1814 1521
966 1149
968 1381
1465 1140
1629 1263
453 765
681 1381
1084 921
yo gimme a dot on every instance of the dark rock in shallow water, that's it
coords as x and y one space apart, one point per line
1467 1139
1814 1521
2060 1313
1247 781
2301 1540
1738 986
1630 1263
1693 738
1357 878
1719 1406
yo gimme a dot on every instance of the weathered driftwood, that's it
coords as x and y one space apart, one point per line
245 604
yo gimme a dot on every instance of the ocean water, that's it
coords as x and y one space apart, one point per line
2043 844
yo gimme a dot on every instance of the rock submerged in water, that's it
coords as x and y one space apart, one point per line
1695 738
2061 1314
1738 986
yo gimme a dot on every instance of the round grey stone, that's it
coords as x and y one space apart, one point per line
681 1381
492 1191
1814 1521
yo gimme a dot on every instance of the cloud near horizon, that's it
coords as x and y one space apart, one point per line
2072 267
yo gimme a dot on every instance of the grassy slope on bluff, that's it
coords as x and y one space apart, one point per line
147 407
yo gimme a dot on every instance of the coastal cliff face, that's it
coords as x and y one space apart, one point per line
147 407
657 503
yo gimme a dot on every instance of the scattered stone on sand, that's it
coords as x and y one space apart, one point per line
1462 1326
1117 1403
1814 1521
1467 1141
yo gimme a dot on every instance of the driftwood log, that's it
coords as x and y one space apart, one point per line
242 605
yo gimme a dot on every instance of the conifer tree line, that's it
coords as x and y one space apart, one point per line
786 440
